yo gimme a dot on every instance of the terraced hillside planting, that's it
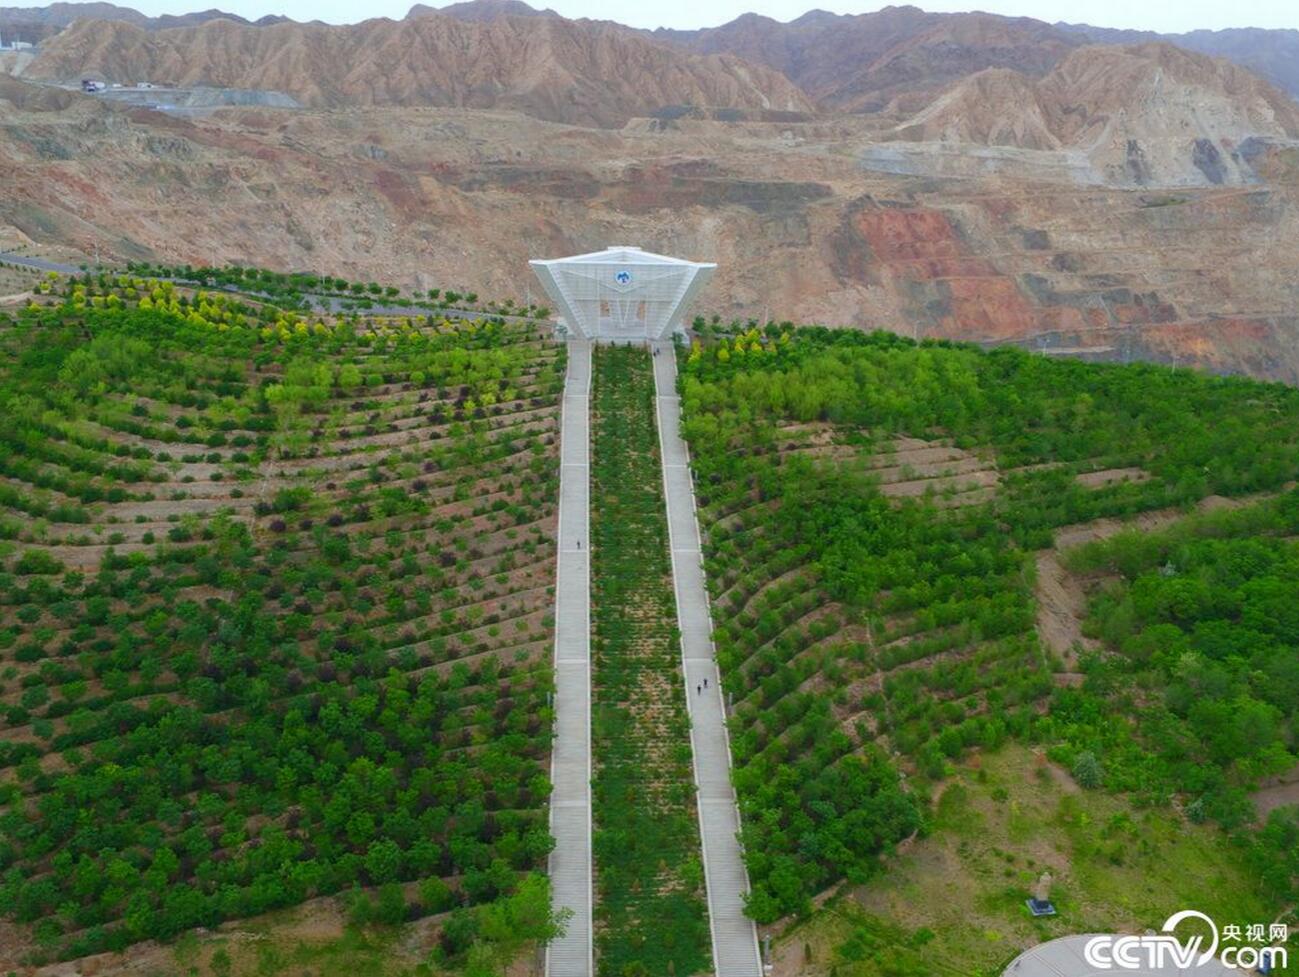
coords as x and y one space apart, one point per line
282 288
300 290
275 613
650 914
1188 685
18 284
868 633
1201 618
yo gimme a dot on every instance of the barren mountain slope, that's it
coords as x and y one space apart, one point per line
480 10
848 61
858 62
995 107
954 47
1272 54
819 51
446 197
1148 115
33 24
1105 80
586 73
15 94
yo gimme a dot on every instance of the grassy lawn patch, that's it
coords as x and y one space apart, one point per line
956 898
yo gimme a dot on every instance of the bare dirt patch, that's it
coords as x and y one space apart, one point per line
912 467
1277 792
1086 532
1061 597
1061 608
315 931
906 467
1112 476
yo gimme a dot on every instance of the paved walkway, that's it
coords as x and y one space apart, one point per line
735 939
570 801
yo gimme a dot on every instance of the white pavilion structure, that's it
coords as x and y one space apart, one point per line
622 292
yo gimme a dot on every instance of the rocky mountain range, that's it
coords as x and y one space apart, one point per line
800 229
859 63
1271 54
856 61
963 175
35 24
584 73
1146 115
843 60
480 10
1142 115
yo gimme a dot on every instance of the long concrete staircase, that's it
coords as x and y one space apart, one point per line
570 801
735 938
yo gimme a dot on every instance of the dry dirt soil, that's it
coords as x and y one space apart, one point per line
800 228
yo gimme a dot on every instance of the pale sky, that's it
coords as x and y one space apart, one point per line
1167 16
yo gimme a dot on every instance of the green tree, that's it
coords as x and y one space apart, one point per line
1087 770
383 861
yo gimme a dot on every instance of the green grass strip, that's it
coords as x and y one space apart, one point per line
650 912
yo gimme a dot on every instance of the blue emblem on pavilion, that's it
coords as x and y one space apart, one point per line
622 292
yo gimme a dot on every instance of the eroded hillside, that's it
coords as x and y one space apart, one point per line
569 71
1153 115
800 229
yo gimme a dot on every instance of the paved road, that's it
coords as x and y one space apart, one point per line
735 938
40 264
570 801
